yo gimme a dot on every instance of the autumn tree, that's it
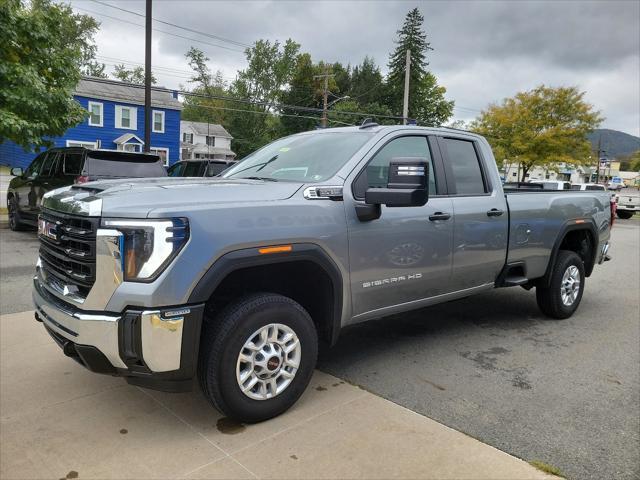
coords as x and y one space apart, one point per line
44 46
545 126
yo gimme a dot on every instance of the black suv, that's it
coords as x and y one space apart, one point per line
59 167
199 168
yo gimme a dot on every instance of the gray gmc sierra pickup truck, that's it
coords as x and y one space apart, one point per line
236 279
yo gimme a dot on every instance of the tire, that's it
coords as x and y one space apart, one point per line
220 369
14 216
550 299
624 214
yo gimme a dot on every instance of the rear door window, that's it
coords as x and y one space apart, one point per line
103 168
465 166
72 164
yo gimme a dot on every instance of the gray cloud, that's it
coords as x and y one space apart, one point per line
484 50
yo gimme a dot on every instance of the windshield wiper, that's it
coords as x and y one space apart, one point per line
268 179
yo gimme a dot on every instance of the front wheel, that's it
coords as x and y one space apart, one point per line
624 214
561 298
257 356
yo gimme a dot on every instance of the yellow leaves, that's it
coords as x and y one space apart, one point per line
540 126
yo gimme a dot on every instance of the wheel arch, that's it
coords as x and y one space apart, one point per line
307 274
579 237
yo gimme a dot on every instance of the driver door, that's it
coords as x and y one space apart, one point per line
406 254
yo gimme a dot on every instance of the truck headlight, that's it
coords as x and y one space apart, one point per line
149 245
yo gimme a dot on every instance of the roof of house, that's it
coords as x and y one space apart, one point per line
124 92
124 138
204 128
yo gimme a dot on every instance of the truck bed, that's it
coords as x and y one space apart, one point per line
537 217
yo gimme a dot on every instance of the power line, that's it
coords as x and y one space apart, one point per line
245 100
121 20
216 37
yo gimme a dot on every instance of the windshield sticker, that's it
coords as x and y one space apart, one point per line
284 149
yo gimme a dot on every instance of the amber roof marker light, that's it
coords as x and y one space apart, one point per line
275 249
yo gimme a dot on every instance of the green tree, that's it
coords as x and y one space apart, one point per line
206 104
131 75
634 161
303 90
93 68
541 127
427 103
367 83
44 46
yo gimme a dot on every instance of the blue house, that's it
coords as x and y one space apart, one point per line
115 122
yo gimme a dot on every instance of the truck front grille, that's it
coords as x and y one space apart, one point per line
68 248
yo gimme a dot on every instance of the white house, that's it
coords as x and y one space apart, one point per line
200 140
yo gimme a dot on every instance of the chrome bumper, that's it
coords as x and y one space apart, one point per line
100 331
160 331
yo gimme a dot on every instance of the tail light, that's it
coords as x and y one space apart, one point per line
82 179
614 208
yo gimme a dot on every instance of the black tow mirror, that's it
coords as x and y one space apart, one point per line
407 184
16 171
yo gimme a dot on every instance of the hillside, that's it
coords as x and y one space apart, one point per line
614 142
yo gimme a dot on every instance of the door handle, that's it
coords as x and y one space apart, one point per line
494 212
439 216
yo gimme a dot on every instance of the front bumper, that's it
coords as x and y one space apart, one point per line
154 348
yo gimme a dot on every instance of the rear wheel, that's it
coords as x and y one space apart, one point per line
563 295
624 214
257 356
14 216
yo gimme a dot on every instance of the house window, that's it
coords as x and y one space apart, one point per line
126 117
95 114
163 153
187 137
158 121
131 147
514 174
211 141
80 143
185 154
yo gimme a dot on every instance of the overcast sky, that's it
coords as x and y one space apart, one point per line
483 51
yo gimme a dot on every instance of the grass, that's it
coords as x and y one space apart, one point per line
545 467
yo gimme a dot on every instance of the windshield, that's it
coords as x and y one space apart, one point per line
301 158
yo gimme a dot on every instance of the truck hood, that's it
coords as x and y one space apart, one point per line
139 197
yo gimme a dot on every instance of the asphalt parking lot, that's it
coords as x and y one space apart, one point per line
563 392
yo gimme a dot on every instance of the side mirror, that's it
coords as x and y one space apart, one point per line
407 184
16 171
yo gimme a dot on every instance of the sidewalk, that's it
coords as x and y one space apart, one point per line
60 421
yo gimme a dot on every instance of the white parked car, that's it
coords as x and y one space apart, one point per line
587 186
628 204
553 184
616 183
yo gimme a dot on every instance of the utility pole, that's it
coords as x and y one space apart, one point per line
147 79
405 104
325 94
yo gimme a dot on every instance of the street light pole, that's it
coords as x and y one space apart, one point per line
147 79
